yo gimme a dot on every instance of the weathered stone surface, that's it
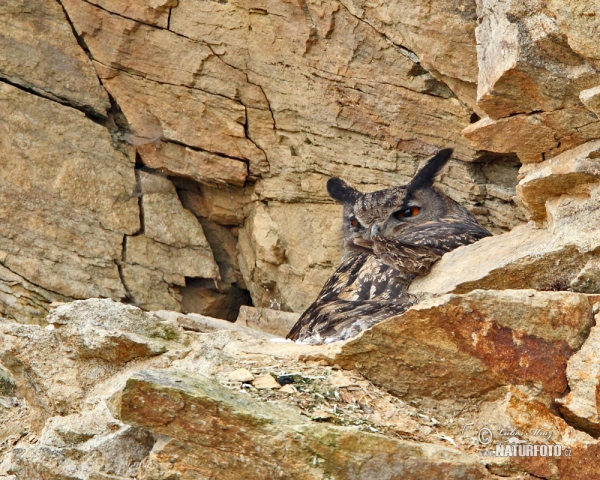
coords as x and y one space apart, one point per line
222 204
580 22
587 280
241 375
67 198
440 33
275 322
581 406
87 342
186 261
248 428
144 84
151 289
203 167
525 62
80 446
250 108
152 12
464 345
203 324
358 103
225 105
38 51
591 99
265 382
201 120
569 173
523 419
223 243
530 136
172 246
276 253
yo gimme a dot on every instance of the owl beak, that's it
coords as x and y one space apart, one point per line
374 231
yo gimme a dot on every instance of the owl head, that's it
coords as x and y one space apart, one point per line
390 213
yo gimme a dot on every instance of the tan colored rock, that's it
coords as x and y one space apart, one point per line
151 289
200 120
180 406
157 73
223 243
265 382
581 406
168 223
587 280
171 247
520 418
525 134
222 204
241 375
38 51
91 443
204 324
353 92
530 136
569 173
338 379
591 99
115 41
187 261
526 257
67 198
267 320
288 389
84 344
580 22
440 33
203 167
464 345
153 12
273 253
525 63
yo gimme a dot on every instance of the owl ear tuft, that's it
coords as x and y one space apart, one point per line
426 176
341 191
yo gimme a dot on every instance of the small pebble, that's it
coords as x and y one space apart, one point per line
288 389
264 382
240 375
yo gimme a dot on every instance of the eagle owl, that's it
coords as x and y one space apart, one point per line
390 237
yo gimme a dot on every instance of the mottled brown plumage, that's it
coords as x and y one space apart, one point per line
390 237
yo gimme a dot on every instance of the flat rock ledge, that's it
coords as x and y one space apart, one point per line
162 395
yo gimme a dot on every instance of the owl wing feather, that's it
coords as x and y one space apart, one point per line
363 288
445 235
371 286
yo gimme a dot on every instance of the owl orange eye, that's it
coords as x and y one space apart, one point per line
354 222
407 212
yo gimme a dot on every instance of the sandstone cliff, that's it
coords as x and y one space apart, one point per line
173 155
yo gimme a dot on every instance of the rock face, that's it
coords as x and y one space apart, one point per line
137 403
466 345
162 395
174 155
68 198
248 110
580 406
39 52
222 112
